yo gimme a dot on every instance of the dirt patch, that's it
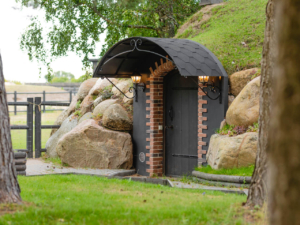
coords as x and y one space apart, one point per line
13 208
196 21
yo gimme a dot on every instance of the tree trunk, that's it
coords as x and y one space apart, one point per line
9 186
258 187
284 150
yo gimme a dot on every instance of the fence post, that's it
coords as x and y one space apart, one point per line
44 100
37 127
30 129
70 96
15 100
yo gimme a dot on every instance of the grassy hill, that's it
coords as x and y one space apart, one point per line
233 31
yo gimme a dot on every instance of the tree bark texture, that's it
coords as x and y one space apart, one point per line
9 186
258 187
284 150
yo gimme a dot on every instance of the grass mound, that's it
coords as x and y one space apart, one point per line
233 31
71 199
244 171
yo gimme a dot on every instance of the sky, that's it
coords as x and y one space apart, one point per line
16 64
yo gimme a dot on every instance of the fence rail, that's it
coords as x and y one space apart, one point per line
44 102
36 104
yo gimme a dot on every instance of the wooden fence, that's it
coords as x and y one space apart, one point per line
44 93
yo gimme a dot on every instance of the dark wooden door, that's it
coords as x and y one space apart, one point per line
181 124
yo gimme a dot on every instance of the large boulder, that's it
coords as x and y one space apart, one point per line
86 116
85 87
100 109
90 145
64 115
72 106
240 79
101 84
244 110
232 152
116 118
65 127
59 120
123 86
130 99
86 105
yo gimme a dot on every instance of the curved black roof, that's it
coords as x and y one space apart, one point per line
190 58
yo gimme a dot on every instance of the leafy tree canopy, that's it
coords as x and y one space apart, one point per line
76 25
63 77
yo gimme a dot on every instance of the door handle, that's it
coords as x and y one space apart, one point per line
169 127
171 113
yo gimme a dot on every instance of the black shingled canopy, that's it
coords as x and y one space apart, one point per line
190 58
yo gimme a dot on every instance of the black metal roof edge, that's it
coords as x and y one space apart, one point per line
214 57
103 59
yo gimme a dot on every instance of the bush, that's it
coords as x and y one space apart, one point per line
232 130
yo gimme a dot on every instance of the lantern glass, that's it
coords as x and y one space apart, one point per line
201 79
206 78
136 79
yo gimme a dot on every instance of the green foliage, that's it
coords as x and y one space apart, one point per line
253 128
76 25
59 77
73 199
258 73
234 33
77 113
83 78
106 92
78 103
244 171
227 129
232 130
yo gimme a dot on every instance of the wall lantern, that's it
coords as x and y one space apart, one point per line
136 80
204 80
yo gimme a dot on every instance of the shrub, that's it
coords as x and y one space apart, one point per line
253 128
78 104
232 130
106 92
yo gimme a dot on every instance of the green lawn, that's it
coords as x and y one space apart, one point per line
71 199
19 136
234 33
244 171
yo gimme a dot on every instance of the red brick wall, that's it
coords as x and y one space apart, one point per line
156 136
201 127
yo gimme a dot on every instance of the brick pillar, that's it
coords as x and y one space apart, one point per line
201 127
156 136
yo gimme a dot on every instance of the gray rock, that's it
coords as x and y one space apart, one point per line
98 101
232 152
90 145
123 86
86 116
128 100
100 109
85 87
101 84
59 120
66 126
116 118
